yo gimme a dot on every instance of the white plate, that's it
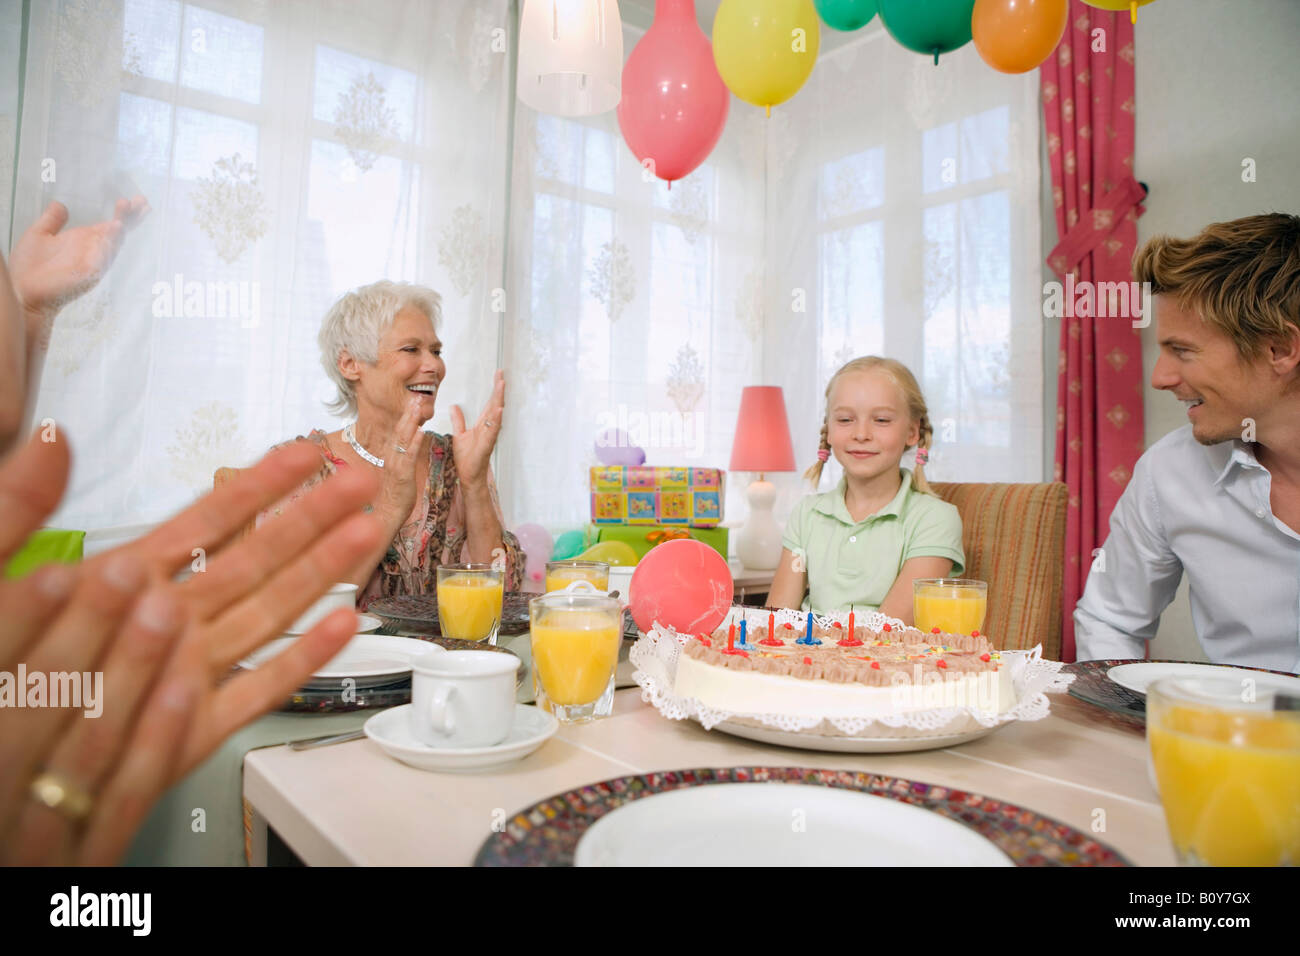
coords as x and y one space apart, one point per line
391 730
779 824
850 745
365 656
1136 677
366 623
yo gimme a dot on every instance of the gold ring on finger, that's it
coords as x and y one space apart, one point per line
56 791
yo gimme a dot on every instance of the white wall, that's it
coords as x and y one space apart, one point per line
1216 83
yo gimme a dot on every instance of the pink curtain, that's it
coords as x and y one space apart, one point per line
1088 101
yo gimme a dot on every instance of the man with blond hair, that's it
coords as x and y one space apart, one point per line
1218 499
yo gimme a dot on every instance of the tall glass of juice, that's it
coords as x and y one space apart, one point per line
560 574
575 637
1226 755
469 601
953 605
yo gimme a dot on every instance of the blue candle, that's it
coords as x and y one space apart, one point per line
808 634
743 643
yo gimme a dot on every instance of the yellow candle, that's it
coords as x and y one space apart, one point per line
1230 784
469 606
575 653
951 608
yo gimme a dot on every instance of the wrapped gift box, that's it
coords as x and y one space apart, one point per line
642 538
656 495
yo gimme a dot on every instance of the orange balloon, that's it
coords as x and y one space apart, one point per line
1016 36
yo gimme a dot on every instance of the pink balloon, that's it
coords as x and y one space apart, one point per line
683 584
535 541
674 103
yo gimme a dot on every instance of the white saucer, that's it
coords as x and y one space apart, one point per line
391 730
369 657
366 623
779 824
1137 677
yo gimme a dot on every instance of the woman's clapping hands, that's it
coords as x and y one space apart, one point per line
165 648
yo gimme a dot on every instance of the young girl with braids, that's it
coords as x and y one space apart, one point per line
863 542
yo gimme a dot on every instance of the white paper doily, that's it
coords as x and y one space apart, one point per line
655 654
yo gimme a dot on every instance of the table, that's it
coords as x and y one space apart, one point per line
352 804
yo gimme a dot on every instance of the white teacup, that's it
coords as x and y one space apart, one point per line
339 595
463 698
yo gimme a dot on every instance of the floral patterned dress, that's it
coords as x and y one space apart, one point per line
433 534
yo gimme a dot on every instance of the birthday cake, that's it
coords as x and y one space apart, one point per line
838 671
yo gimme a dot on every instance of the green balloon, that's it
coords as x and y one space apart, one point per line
846 15
567 545
928 26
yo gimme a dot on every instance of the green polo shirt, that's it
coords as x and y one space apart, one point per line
857 562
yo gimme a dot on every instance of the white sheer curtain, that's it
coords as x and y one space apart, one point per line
290 150
891 206
11 27
632 306
903 220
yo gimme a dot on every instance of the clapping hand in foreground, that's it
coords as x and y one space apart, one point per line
76 788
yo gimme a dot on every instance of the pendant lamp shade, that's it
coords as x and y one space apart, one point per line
570 56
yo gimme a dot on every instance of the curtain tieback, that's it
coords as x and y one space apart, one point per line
1095 224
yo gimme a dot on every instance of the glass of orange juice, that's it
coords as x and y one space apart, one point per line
560 574
575 635
953 605
1226 755
469 601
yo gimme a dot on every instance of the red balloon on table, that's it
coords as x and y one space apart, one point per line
683 584
674 104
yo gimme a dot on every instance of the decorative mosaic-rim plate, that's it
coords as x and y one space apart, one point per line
419 612
547 833
330 701
309 701
1092 684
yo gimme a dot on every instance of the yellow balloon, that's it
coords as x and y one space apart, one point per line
613 553
1129 5
765 50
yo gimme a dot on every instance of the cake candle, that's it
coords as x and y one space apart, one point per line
772 640
808 635
851 639
731 637
743 642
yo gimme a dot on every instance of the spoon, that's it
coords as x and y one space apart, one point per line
325 741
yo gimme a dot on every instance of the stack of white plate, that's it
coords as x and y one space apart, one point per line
370 660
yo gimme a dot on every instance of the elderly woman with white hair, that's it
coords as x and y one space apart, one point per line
379 344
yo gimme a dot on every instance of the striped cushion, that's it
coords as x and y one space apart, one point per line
1014 536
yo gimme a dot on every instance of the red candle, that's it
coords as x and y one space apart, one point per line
731 637
851 639
772 640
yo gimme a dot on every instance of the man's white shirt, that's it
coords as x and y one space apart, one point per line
1204 511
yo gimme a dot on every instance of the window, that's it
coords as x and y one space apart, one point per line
925 236
636 313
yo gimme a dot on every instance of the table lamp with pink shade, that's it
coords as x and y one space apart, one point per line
762 444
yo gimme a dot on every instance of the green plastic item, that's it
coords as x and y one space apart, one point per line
47 546
643 537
